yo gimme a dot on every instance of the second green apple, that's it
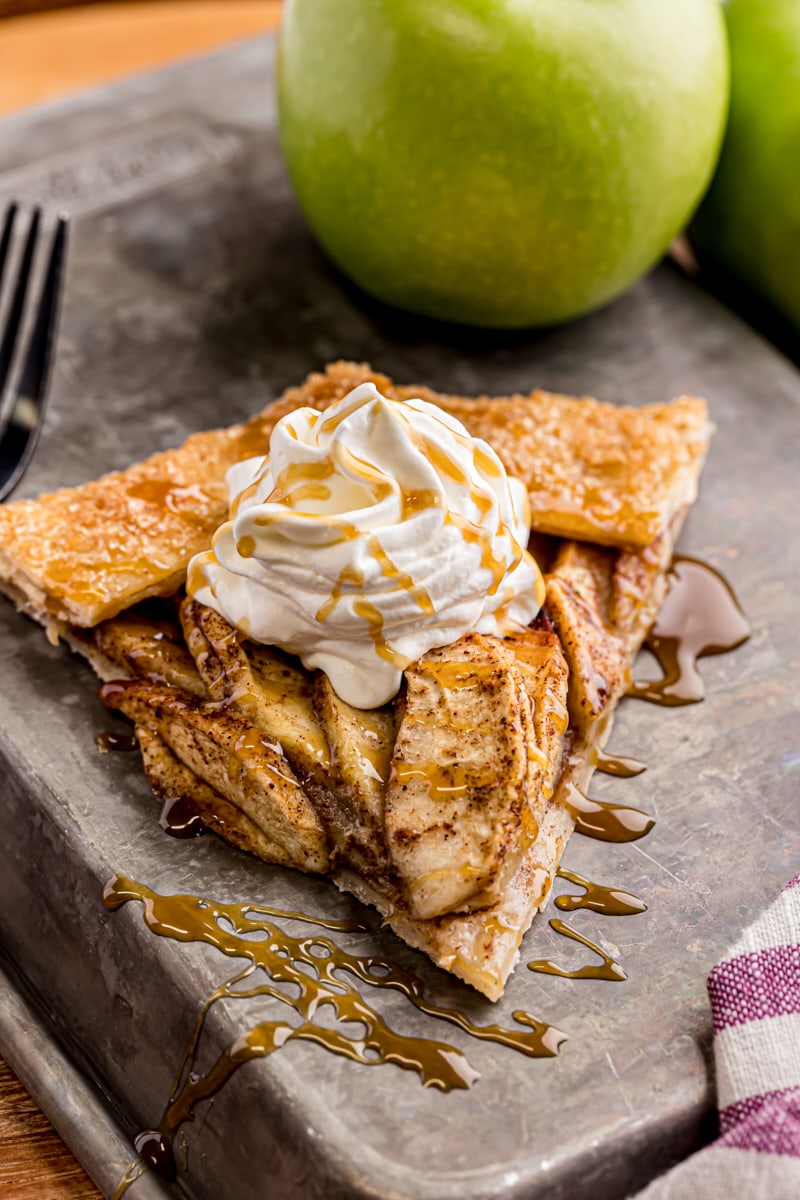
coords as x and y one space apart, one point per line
500 162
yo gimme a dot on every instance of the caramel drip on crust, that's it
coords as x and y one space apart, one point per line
248 752
318 975
596 897
699 616
167 495
609 969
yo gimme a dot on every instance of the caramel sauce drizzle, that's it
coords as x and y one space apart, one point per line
445 781
399 577
418 501
244 931
110 740
369 613
133 1172
196 577
348 574
700 616
310 491
164 494
296 475
248 752
180 819
603 819
678 641
483 538
618 765
457 676
608 969
247 494
596 897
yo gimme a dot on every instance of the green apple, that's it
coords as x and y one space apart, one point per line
750 221
500 162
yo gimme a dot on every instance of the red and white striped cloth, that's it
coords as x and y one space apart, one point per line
755 1001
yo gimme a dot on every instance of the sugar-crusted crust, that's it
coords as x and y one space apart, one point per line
83 554
595 471
604 473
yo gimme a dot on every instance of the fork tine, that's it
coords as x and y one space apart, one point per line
18 439
18 300
33 379
5 238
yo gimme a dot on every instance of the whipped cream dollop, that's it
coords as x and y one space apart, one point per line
371 533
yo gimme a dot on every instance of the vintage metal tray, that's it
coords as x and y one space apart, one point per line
195 295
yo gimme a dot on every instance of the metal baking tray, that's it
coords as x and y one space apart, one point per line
195 294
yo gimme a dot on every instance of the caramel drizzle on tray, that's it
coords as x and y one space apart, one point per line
699 616
319 975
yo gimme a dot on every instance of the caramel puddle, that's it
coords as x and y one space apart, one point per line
245 931
603 819
109 741
180 819
700 616
608 969
609 901
618 765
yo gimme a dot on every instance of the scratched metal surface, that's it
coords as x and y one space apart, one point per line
195 294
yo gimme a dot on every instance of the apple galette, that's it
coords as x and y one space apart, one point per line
391 644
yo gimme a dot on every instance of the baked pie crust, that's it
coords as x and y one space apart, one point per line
445 809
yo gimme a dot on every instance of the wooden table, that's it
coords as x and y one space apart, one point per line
43 56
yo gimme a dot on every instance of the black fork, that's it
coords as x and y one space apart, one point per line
22 413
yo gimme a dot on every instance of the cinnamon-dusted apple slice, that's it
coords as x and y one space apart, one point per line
145 646
457 815
579 599
482 948
640 584
362 742
279 698
170 780
541 663
259 683
236 760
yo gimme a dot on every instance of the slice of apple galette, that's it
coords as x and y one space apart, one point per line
406 623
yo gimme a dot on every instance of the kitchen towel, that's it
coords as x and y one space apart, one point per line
755 1002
